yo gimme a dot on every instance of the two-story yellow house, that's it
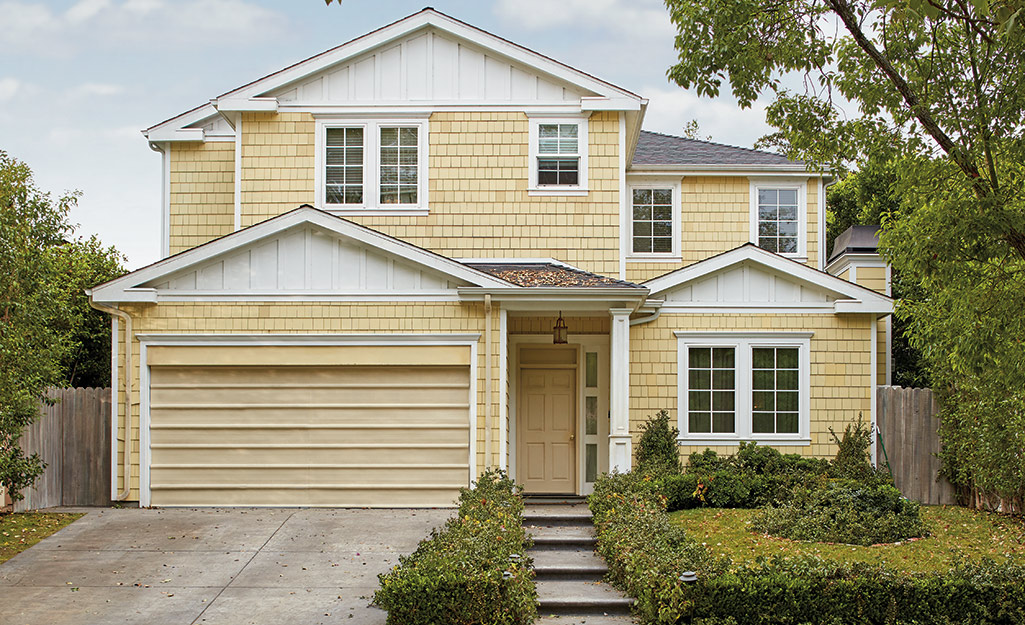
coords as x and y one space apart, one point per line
430 251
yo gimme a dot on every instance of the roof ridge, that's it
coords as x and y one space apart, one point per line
716 143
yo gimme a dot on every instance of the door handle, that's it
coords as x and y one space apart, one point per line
572 437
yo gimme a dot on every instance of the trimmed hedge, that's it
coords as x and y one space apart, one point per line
847 513
472 571
646 555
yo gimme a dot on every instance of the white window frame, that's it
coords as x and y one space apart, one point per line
372 166
583 148
744 343
676 253
790 184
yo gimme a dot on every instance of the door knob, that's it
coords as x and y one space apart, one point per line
572 437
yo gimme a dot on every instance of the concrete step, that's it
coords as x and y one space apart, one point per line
579 565
557 537
546 517
581 598
593 619
564 500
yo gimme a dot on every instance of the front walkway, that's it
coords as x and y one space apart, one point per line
214 566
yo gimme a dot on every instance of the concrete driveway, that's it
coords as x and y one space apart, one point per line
215 566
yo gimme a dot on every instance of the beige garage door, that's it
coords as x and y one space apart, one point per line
332 432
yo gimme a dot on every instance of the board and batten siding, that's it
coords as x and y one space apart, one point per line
365 318
202 189
840 369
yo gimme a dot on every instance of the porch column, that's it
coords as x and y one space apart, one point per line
620 452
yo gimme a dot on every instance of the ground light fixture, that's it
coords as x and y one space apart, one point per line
688 577
560 332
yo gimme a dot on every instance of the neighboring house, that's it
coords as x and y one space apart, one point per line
367 254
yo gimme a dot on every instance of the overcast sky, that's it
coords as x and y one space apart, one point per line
80 78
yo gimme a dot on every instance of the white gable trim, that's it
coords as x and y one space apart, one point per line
123 289
249 97
852 298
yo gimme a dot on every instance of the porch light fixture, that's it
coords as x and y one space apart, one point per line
560 332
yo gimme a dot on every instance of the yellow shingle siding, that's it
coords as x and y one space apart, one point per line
278 154
202 185
313 318
715 218
840 368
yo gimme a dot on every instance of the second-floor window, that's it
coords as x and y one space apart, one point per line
372 165
778 214
652 221
558 156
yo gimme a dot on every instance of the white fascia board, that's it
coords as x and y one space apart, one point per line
236 105
554 293
179 122
783 265
516 261
845 261
365 110
591 103
858 306
116 290
172 135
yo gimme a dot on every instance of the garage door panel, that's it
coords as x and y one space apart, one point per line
308 435
300 433
422 497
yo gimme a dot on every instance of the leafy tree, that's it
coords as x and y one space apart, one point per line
932 87
47 337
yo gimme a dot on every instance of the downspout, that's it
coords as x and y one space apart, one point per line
127 457
656 304
487 382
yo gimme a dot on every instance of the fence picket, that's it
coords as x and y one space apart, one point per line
908 426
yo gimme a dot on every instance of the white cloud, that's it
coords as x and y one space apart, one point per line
669 110
9 88
94 89
33 28
648 18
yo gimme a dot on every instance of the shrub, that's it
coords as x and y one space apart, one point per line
853 460
849 513
471 571
645 553
657 451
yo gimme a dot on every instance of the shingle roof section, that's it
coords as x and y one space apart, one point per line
654 148
549 275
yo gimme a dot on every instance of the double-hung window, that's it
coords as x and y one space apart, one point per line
736 387
558 155
778 217
654 221
371 165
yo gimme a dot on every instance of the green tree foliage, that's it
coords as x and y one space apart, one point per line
45 329
932 87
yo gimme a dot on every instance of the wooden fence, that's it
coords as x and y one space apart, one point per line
73 439
910 441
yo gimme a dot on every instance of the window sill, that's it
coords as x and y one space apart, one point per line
556 191
783 442
668 258
405 211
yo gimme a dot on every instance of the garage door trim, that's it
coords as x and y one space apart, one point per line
287 340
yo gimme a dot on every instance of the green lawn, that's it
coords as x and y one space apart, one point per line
953 529
20 531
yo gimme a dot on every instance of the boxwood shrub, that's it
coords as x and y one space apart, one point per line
473 570
844 512
646 555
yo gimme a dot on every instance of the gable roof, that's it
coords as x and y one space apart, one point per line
548 274
253 95
131 287
850 297
661 151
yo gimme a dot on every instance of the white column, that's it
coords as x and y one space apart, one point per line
620 452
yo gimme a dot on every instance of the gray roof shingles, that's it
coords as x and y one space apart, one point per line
654 148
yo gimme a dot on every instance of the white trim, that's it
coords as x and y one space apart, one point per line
238 173
676 188
115 400
620 443
609 95
845 261
624 200
583 147
821 205
889 328
220 340
117 290
307 296
857 298
679 308
372 127
873 365
744 343
799 185
165 196
503 389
